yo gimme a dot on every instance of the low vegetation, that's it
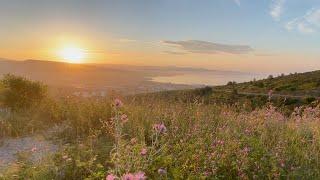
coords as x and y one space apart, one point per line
171 135
293 84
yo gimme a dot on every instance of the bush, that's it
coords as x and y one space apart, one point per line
21 93
26 107
205 91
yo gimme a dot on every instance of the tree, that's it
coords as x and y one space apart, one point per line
205 91
270 77
231 83
20 93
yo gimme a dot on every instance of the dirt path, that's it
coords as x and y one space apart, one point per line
266 94
36 147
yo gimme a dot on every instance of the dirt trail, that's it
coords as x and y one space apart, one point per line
266 94
36 147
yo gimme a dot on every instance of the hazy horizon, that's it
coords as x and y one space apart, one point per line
121 77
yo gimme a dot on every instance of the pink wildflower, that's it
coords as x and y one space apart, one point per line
128 176
118 103
160 128
220 142
111 177
246 150
124 118
140 176
272 114
143 151
34 149
217 143
162 171
206 173
270 94
133 141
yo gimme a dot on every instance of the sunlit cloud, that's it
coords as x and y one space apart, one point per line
196 46
175 52
276 9
309 23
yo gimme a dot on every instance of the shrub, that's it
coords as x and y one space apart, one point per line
21 93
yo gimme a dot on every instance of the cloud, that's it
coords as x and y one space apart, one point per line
237 2
305 28
196 46
175 52
306 24
313 17
276 9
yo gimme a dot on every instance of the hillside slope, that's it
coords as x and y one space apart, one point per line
307 84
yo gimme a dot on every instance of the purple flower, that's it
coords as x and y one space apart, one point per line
270 94
111 177
160 128
140 176
206 173
143 151
118 103
124 118
246 150
34 149
162 171
128 176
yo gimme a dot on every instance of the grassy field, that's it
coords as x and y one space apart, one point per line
168 135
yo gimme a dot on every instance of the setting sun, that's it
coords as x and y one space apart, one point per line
72 54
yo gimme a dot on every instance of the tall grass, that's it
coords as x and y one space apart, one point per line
201 141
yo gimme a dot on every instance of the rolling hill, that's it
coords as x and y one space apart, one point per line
299 84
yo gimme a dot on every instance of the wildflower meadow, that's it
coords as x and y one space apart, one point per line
166 137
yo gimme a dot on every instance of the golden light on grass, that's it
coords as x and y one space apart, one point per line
72 54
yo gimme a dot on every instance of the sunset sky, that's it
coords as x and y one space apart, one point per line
242 35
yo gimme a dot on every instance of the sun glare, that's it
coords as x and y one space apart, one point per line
72 54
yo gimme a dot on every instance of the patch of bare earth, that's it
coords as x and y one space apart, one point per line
36 147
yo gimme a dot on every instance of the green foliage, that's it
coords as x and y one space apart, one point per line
83 116
21 94
79 162
258 84
310 99
26 107
206 91
231 83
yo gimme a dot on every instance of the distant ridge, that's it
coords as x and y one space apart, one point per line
121 66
